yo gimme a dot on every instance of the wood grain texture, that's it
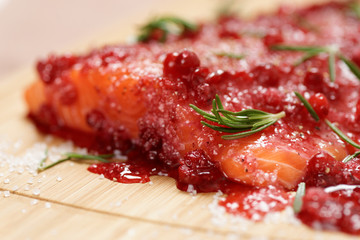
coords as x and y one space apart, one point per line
85 206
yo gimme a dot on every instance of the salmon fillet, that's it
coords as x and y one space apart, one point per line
123 97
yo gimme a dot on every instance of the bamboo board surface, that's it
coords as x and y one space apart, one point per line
82 205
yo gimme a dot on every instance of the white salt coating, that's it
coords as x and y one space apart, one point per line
239 224
29 159
47 205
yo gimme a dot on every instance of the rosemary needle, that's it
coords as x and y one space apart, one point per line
312 51
166 25
73 156
298 201
308 106
230 55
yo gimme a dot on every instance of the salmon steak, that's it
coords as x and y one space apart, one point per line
257 104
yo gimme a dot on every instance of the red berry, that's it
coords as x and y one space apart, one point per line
96 120
196 168
180 64
53 67
314 80
357 111
267 75
273 38
320 104
324 170
47 115
218 76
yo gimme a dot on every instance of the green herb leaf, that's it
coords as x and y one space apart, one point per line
42 162
298 201
308 106
332 66
341 134
243 123
351 65
351 157
227 8
355 8
230 55
306 57
314 49
166 25
74 156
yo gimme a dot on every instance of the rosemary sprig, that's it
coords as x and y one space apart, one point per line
312 51
42 162
243 123
73 156
226 9
332 126
298 201
166 25
308 106
230 55
355 8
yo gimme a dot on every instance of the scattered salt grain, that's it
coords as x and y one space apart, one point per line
101 176
30 181
151 183
36 191
39 180
47 205
27 187
59 179
23 210
34 202
7 181
1 174
6 194
15 188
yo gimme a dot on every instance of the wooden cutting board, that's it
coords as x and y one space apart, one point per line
68 202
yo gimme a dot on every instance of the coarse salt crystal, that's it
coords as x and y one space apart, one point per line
36 191
7 181
27 187
34 202
6 194
30 181
59 179
101 176
15 188
23 211
47 205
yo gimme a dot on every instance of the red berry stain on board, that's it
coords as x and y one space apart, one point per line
256 203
